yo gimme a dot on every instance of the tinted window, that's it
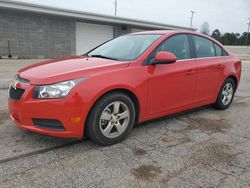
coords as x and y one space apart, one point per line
204 47
178 45
224 53
218 50
128 47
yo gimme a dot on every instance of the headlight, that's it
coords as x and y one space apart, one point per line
57 90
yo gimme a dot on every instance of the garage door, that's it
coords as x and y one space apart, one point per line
89 36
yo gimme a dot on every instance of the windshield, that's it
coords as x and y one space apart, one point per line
124 48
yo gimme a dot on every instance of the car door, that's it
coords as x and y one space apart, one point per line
209 69
171 85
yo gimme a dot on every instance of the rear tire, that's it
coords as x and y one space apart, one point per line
226 94
111 119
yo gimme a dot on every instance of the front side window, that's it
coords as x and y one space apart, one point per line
177 44
125 48
204 47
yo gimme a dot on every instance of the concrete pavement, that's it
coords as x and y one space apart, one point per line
200 148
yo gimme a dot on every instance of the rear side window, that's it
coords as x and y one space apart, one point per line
204 47
218 50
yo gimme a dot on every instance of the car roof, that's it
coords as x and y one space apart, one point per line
161 32
170 32
164 32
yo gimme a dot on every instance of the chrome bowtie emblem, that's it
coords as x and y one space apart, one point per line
14 83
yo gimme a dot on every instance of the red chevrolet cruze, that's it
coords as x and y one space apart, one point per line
127 80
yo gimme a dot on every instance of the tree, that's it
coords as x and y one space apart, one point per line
230 38
205 28
242 39
216 35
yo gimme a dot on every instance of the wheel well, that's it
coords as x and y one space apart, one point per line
234 79
135 101
132 96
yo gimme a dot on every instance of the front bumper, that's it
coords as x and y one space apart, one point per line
69 111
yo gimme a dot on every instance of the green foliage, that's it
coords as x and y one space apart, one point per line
231 38
216 35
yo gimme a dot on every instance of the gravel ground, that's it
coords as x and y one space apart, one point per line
199 148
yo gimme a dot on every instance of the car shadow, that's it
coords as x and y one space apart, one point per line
175 115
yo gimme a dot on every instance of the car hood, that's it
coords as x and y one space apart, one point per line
67 68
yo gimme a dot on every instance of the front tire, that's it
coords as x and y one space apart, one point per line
111 119
226 94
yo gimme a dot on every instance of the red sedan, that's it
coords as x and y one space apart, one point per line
127 80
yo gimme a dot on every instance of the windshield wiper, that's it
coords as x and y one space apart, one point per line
104 57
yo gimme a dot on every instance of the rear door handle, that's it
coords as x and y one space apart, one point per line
220 66
190 72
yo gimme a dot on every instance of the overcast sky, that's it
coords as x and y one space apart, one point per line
226 15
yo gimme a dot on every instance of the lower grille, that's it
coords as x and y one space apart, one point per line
15 94
51 124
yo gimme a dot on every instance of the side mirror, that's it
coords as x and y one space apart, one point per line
164 58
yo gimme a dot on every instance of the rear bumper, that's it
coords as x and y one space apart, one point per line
69 111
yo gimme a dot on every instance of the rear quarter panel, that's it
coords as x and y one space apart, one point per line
232 67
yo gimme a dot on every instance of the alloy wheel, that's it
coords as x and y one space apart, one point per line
114 119
227 94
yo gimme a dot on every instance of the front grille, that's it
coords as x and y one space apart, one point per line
15 94
51 124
